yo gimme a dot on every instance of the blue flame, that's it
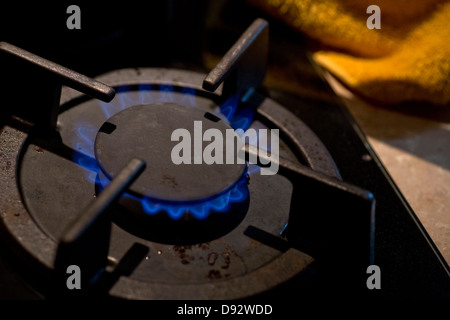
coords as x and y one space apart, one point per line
239 118
222 203
147 94
188 97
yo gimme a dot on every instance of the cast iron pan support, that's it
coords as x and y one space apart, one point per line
86 241
330 229
243 67
325 229
44 72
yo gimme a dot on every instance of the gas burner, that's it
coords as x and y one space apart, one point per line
186 192
145 132
91 183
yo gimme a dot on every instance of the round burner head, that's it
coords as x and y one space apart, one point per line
145 132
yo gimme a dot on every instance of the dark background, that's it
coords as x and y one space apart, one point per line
129 34
113 35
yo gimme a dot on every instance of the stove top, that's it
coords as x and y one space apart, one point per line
300 209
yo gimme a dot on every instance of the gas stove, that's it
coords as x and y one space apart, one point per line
89 180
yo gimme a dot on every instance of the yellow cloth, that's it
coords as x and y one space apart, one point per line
407 59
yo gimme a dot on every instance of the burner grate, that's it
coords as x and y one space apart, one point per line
252 253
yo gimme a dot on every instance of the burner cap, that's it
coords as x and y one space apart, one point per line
144 132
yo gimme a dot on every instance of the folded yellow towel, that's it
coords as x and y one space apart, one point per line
407 59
